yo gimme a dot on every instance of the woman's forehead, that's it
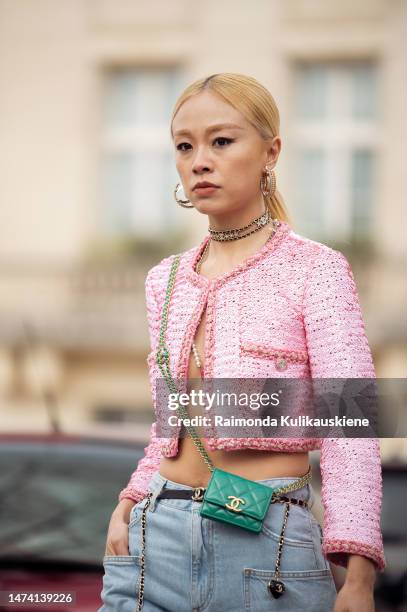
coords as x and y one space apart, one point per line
204 111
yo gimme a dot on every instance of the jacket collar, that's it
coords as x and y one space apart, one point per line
202 281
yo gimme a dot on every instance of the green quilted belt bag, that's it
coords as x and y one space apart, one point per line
228 498
232 499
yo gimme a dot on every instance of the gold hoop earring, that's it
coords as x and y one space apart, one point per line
180 201
268 183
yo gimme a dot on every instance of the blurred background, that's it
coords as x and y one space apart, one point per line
87 207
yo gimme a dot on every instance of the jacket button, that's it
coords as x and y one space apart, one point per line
281 363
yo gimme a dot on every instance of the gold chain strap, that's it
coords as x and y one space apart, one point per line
140 599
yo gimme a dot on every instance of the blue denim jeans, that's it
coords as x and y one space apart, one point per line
196 564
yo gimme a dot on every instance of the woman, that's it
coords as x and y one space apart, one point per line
254 299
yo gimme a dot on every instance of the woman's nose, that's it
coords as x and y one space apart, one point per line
201 161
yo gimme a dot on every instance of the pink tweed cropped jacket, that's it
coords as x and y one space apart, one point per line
289 310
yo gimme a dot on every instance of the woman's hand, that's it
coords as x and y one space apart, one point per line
117 543
354 598
356 595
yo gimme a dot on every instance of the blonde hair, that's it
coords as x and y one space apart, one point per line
255 103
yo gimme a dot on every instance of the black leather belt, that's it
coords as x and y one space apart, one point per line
198 493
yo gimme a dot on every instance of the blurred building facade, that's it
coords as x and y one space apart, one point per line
86 196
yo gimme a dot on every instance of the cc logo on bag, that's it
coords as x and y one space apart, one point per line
234 504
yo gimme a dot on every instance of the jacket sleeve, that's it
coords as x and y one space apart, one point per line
350 467
137 488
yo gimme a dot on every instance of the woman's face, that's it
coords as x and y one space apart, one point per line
215 143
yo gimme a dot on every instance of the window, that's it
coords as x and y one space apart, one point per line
138 171
362 181
334 141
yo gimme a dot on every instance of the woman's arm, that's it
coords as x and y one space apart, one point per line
137 486
361 571
356 595
350 467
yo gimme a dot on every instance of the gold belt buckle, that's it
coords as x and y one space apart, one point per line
198 494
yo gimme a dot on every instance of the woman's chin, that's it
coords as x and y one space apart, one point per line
208 206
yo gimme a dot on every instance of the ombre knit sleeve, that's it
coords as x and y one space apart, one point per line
137 488
350 467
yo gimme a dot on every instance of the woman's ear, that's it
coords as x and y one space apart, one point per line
273 150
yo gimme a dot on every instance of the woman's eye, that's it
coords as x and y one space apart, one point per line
181 145
223 141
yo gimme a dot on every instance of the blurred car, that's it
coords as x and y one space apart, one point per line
57 495
391 585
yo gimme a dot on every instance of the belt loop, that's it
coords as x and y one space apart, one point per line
156 492
311 499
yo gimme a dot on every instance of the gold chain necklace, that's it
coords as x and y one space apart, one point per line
240 232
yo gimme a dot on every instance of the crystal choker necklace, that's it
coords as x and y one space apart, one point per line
275 224
241 232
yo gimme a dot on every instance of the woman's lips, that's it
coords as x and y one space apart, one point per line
205 190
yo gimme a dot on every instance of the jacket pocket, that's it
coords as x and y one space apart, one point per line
281 357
